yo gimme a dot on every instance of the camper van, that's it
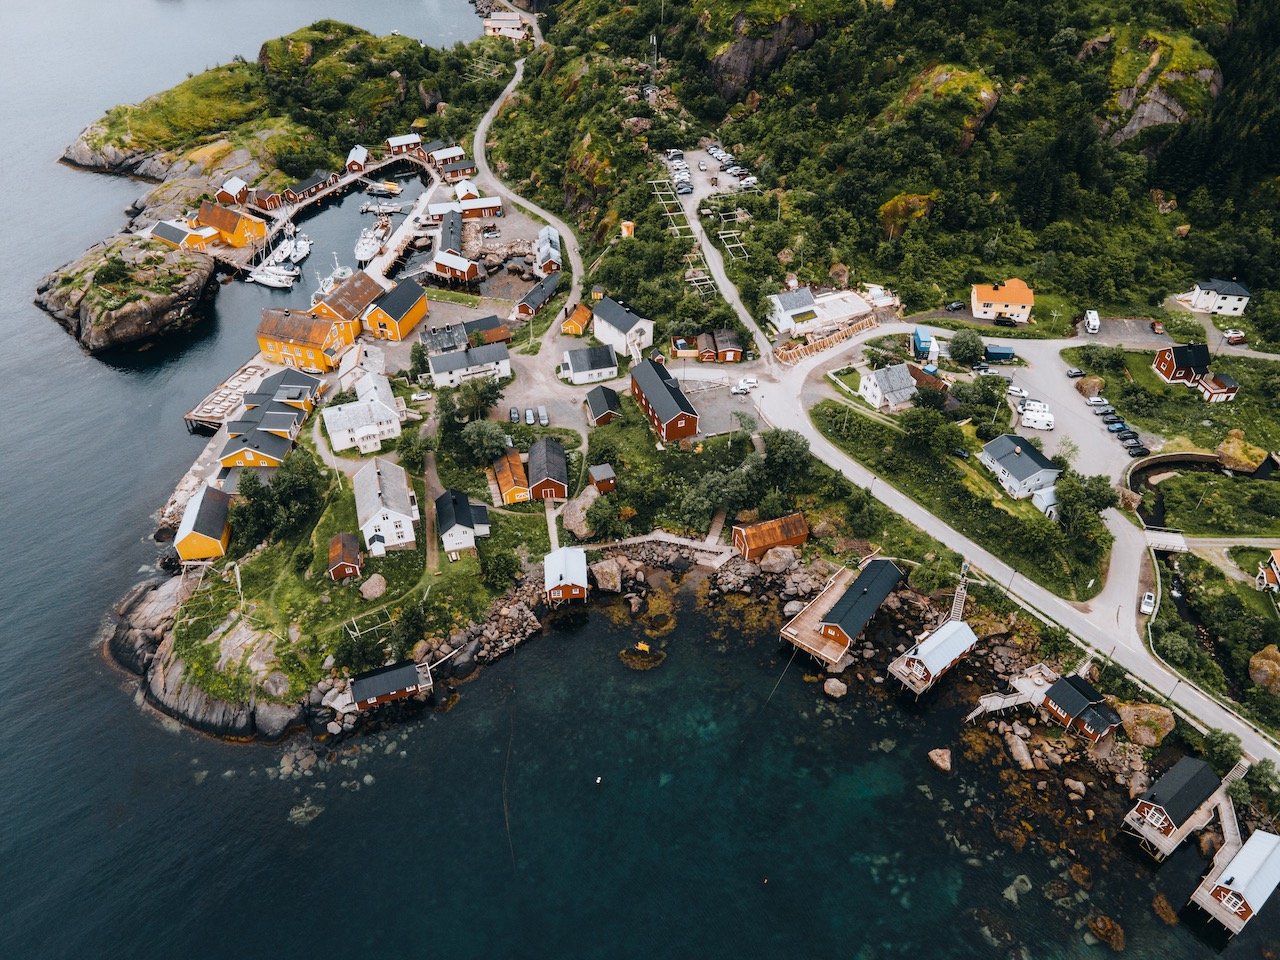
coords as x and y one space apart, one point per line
1092 322
1037 420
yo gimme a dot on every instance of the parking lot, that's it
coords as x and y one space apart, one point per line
701 180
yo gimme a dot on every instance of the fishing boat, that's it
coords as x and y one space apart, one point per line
381 207
371 240
301 248
384 188
327 284
283 251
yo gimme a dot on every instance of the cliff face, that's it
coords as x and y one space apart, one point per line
93 150
125 290
756 49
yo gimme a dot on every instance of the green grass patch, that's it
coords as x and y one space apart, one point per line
454 296
1211 504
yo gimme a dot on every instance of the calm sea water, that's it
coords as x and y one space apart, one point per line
121 837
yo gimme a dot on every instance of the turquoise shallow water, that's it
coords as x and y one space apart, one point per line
121 837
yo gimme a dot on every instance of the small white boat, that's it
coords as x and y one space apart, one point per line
272 277
382 207
384 188
283 251
327 284
301 248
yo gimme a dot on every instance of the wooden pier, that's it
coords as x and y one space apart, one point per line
225 400
802 630
411 227
1030 686
1231 844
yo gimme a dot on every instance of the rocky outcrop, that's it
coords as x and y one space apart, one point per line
941 758
152 290
835 689
1146 724
574 515
755 49
1264 669
139 622
94 150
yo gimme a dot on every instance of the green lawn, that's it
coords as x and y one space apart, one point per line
1212 504
1248 558
453 296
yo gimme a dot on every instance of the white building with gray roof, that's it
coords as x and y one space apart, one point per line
386 507
1019 467
889 388
453 368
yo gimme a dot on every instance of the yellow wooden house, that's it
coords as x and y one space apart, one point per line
578 322
348 301
177 233
306 341
395 313
205 530
235 228
513 482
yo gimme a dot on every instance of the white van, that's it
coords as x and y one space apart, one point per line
1034 406
1092 322
1037 420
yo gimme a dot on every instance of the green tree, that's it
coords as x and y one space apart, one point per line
485 440
477 397
920 431
930 399
1222 749
786 456
412 448
498 567
966 347
418 363
605 520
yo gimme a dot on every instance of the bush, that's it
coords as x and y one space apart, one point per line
498 567
1222 750
966 347
112 271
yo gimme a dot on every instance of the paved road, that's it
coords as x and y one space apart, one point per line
486 178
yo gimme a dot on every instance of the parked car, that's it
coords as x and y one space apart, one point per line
1157 326
1104 411
1096 401
739 390
1016 391
1118 427
748 182
543 419
514 414
960 452
1136 452
1127 435
702 165
684 189
1112 418
1148 604
1234 336
528 416
1134 442
981 367
420 396
1075 373
748 382
736 171
955 305
1005 322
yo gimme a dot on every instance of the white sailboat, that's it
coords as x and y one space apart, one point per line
327 284
301 248
274 276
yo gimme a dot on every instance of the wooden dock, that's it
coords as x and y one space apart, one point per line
1231 844
802 629
1029 686
410 228
225 400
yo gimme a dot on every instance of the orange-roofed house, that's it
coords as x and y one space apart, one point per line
308 341
513 483
235 228
1269 572
1012 299
348 301
576 324
754 540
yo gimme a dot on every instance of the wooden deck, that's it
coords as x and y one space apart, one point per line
802 629
1159 845
225 399
1231 844
1029 686
411 227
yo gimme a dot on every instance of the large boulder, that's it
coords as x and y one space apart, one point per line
1019 751
835 688
779 560
574 514
1264 669
273 720
608 575
941 758
1146 724
374 587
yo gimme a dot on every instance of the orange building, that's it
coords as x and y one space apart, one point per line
394 314
576 324
305 340
754 540
348 301
235 229
513 484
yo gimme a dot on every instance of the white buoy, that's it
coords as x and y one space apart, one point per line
598 779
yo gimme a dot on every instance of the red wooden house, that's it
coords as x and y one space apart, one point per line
659 395
344 556
754 540
565 575
1184 364
603 477
1160 818
728 346
1077 705
395 682
547 470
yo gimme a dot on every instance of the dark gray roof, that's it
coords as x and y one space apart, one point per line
1191 356
444 339
665 397
859 603
471 357
1226 381
616 315
260 441
464 164
170 231
791 300
601 471
211 517
542 291
482 324
547 462
602 400
1224 288
317 177
592 358
454 508
433 146
1099 717
1074 695
1182 790
727 340
399 300
384 680
1018 456
451 232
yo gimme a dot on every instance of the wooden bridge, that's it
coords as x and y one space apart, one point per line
1030 686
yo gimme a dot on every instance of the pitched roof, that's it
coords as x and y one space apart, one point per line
446 153
1183 788
895 382
793 300
601 471
445 259
1018 456
357 415
492 329
358 154
1224 288
547 462
285 385
1013 291
1074 695
451 232
352 296
457 165
455 509
316 179
480 356
585 359
381 484
385 680
1191 356
509 471
566 565
769 533
862 598
1254 872
581 315
270 445
223 218
206 514
602 400
616 315
400 299
365 356
726 340
542 291
404 140
665 397
294 326
551 236
234 185
953 639
344 548
172 231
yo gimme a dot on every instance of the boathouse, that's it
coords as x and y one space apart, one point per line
442 155
407 144
830 623
204 531
449 266
1246 883
349 299
1077 705
357 159
537 297
265 199
513 484
394 314
564 575
462 169
395 682
478 207
1178 804
547 257
234 190
450 233
754 540
235 228
178 233
548 470
304 340
920 667
465 190
603 477
344 557
307 188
